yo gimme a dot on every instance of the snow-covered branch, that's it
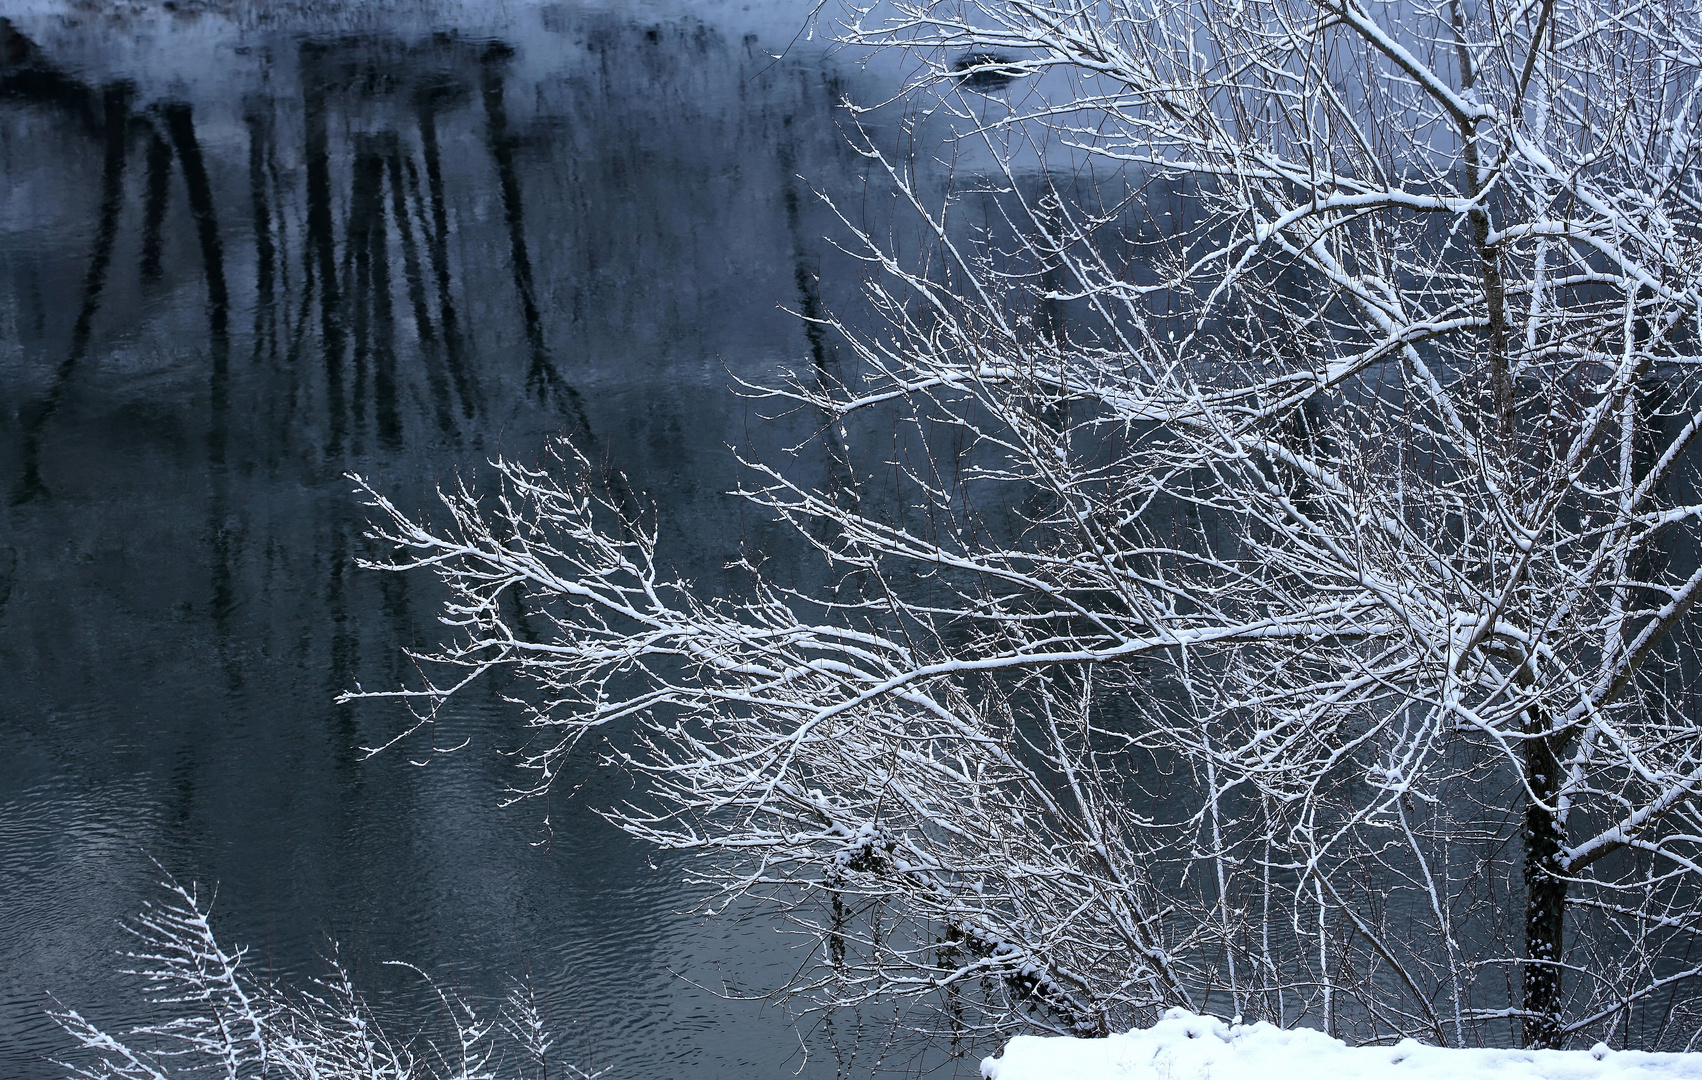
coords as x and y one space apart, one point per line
1270 540
217 1018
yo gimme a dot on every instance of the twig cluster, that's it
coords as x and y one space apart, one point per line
1263 534
219 1019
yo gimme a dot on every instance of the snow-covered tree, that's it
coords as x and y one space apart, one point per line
1263 525
215 1017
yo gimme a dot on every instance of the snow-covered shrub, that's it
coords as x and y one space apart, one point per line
217 1018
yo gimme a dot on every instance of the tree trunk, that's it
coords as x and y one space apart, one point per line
1545 894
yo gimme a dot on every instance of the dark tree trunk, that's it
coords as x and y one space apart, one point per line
1545 894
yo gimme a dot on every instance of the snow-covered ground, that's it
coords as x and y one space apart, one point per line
1183 1046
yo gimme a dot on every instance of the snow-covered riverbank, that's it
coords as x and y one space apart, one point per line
1183 1046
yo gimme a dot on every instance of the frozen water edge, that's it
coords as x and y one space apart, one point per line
1185 1046
205 51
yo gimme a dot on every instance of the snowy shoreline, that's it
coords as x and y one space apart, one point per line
1185 1046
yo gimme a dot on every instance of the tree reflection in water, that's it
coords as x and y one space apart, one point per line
400 252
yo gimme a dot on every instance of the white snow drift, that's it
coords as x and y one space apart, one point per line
1185 1046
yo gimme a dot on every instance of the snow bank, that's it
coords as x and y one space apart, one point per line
1183 1046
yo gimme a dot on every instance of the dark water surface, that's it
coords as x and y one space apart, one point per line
240 256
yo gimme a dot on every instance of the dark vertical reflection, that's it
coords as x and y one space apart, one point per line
541 375
369 241
383 317
365 203
180 121
8 574
154 204
345 653
259 125
177 618
393 598
454 354
115 102
804 275
429 346
321 240
806 278
223 541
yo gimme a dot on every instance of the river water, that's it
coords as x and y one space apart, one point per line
243 252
